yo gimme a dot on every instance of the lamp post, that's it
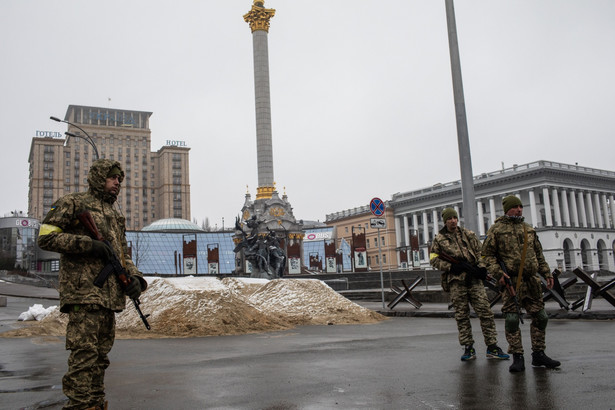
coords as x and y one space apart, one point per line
88 139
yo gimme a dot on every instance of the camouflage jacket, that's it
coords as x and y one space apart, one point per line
62 232
463 245
505 243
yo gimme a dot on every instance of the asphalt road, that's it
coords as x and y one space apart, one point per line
401 363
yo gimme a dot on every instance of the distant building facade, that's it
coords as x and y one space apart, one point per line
379 245
572 208
157 183
18 247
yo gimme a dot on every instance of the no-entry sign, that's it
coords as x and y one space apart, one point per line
376 206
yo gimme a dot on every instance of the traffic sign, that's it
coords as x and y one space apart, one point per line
376 206
378 223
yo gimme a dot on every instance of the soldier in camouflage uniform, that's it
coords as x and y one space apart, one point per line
505 243
90 332
465 286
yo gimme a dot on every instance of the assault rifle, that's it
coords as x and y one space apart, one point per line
113 266
480 273
511 290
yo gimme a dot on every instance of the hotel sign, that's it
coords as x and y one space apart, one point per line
176 143
49 134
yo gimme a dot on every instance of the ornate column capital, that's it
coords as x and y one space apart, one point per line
258 17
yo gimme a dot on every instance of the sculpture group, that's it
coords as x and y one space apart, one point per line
262 250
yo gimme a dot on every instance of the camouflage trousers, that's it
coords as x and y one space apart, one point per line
464 295
535 308
89 336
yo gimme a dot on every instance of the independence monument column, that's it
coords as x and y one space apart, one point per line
258 18
268 238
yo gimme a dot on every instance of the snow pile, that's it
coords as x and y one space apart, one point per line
307 301
36 312
208 306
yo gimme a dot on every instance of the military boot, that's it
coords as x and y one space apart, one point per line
541 359
518 364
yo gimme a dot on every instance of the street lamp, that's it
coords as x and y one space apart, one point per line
88 139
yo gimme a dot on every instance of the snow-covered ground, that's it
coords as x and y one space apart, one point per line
207 306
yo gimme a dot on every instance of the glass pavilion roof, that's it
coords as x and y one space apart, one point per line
172 225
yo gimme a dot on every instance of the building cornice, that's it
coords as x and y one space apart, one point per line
539 173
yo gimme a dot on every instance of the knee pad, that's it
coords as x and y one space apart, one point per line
541 319
512 322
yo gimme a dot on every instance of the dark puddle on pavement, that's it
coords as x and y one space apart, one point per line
34 388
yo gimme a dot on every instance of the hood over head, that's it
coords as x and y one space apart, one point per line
97 178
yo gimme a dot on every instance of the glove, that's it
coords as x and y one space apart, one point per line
102 250
482 273
133 290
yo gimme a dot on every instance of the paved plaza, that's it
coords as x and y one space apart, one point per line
400 363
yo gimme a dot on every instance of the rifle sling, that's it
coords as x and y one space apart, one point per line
103 275
523 253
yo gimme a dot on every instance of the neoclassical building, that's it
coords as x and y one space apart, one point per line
572 208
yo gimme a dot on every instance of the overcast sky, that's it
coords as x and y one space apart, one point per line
361 91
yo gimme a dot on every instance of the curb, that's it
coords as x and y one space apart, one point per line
597 315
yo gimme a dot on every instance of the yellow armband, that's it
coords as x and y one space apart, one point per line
47 229
433 256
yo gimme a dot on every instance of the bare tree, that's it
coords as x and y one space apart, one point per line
140 249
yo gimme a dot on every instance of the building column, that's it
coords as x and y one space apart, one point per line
597 212
533 212
425 228
491 212
558 212
582 209
481 220
434 216
398 239
406 230
564 196
590 210
605 210
547 204
573 210
612 201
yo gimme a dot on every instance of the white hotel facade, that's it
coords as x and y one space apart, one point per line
572 208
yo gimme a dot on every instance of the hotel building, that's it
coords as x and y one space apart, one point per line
156 185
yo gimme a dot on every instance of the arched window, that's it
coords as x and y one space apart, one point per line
585 254
602 255
568 249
